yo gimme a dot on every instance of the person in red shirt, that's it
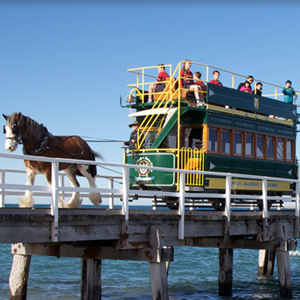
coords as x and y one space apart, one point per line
160 85
187 81
202 86
216 75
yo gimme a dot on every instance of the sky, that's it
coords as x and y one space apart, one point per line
64 63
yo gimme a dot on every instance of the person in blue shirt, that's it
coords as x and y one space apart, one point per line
289 92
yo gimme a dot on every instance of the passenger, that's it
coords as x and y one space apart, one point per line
216 75
197 78
246 87
187 81
133 136
250 79
158 87
258 89
198 81
289 92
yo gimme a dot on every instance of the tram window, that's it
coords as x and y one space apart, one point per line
171 138
150 138
279 149
259 146
193 138
288 152
213 140
270 147
225 141
237 143
249 145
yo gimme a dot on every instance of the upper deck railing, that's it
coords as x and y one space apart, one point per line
147 76
125 192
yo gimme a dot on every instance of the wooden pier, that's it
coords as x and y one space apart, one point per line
146 235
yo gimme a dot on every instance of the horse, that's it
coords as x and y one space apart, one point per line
38 141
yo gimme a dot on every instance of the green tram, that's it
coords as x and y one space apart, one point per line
234 132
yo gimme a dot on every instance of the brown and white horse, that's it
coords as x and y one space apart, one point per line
38 141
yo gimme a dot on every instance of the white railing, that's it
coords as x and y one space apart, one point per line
111 192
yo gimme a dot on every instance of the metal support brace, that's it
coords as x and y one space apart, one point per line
297 211
54 205
125 197
2 197
264 186
227 205
181 205
111 198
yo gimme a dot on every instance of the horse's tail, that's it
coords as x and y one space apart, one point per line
93 168
95 154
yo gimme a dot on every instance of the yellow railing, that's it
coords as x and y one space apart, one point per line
273 90
192 159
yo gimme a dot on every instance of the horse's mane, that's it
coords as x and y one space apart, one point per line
33 128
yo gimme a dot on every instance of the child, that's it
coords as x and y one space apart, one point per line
158 87
216 75
258 89
246 88
202 86
288 92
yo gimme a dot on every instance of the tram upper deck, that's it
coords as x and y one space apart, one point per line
216 97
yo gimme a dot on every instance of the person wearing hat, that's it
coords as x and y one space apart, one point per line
133 136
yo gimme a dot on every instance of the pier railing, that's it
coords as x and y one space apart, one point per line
125 191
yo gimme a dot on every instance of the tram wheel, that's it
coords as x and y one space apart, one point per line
171 202
260 205
218 204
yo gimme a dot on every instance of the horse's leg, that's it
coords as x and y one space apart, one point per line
26 200
61 201
74 202
94 197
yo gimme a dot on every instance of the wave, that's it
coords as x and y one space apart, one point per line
295 253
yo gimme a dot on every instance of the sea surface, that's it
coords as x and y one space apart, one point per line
192 275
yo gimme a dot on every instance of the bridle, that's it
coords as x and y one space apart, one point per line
15 128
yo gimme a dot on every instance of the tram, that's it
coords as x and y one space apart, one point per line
234 131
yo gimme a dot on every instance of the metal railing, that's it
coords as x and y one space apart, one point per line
125 191
228 78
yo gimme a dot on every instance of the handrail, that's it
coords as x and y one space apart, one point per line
126 190
208 68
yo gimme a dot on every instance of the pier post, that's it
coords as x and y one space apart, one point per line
90 279
284 274
263 256
19 277
158 269
266 261
225 271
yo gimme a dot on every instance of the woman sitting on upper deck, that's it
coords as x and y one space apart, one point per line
187 81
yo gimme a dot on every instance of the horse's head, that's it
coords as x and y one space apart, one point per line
12 131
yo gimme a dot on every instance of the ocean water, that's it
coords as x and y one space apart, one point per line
192 275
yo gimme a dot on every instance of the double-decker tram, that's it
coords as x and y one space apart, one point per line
232 131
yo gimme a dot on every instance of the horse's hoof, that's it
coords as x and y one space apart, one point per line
95 198
26 202
74 204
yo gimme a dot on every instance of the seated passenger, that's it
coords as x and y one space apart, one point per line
289 92
250 79
187 81
158 87
216 75
198 81
246 88
258 89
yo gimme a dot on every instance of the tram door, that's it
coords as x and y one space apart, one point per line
192 153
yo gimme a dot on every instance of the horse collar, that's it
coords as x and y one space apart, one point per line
41 145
